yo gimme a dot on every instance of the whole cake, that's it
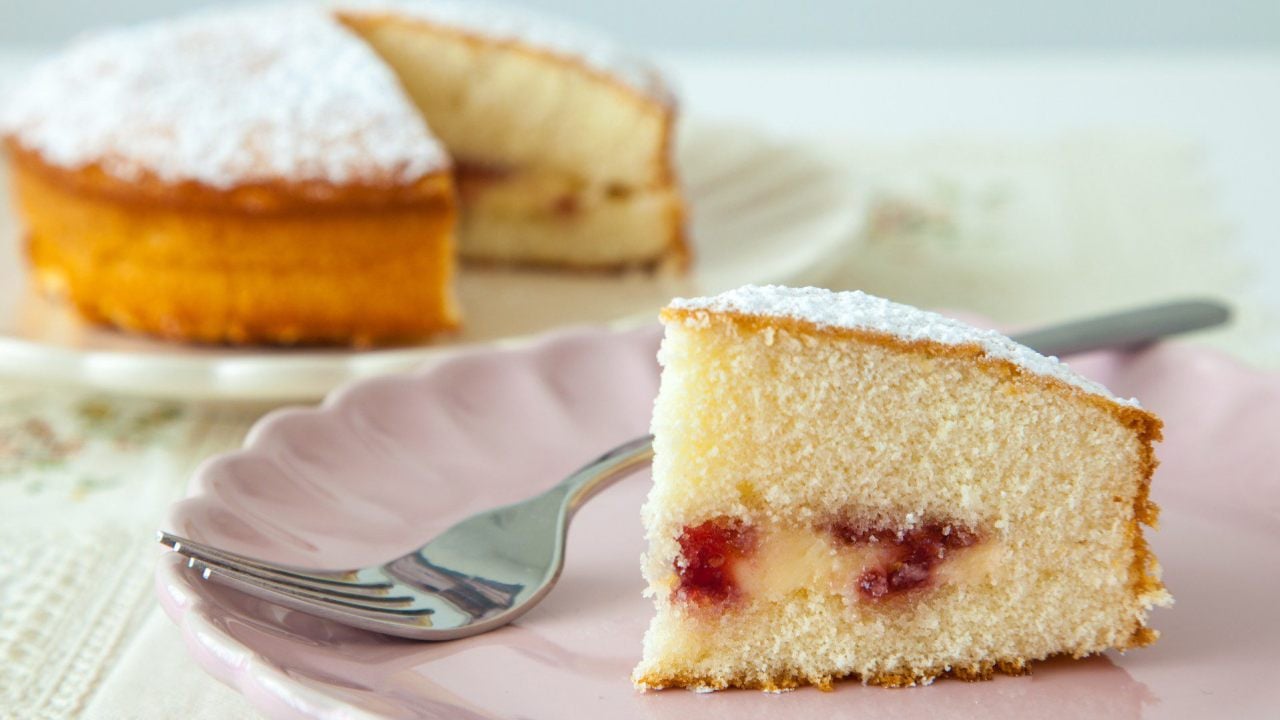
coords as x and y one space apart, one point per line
298 173
846 486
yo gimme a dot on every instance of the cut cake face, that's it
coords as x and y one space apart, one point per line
845 486
562 144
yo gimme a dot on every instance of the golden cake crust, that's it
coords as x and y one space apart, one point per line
985 670
276 262
1144 583
276 196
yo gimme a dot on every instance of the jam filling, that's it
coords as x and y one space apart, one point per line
894 561
708 554
565 206
473 178
910 555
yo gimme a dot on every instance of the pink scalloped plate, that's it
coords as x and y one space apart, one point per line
386 463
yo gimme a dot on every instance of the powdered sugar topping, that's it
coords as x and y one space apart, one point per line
257 94
859 311
504 22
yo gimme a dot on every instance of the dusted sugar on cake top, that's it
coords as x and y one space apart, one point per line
224 99
858 311
845 486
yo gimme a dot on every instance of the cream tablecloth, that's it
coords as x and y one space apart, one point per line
1022 230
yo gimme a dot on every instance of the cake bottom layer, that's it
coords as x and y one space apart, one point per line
770 606
349 275
540 218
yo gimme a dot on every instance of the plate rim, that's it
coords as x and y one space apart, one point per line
247 374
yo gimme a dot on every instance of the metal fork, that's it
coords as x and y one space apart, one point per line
494 566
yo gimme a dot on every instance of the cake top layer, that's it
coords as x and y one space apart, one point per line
594 50
226 98
859 311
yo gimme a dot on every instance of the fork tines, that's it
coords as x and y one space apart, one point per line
341 591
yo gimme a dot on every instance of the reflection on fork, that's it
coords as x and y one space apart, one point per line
478 575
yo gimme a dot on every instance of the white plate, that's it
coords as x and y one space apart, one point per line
762 212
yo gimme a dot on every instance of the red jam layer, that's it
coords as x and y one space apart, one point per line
565 206
708 555
473 178
912 554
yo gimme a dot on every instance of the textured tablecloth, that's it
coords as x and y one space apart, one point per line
1024 232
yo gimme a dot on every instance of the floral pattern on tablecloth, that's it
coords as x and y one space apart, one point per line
51 443
942 213
84 482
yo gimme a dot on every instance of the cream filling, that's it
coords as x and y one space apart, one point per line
507 190
787 560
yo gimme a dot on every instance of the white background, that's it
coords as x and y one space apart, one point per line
842 25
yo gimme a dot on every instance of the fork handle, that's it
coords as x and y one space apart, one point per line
1127 328
605 470
1124 329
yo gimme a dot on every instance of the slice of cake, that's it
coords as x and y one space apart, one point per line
249 176
562 143
845 486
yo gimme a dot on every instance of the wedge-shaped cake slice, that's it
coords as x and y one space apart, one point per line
846 486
